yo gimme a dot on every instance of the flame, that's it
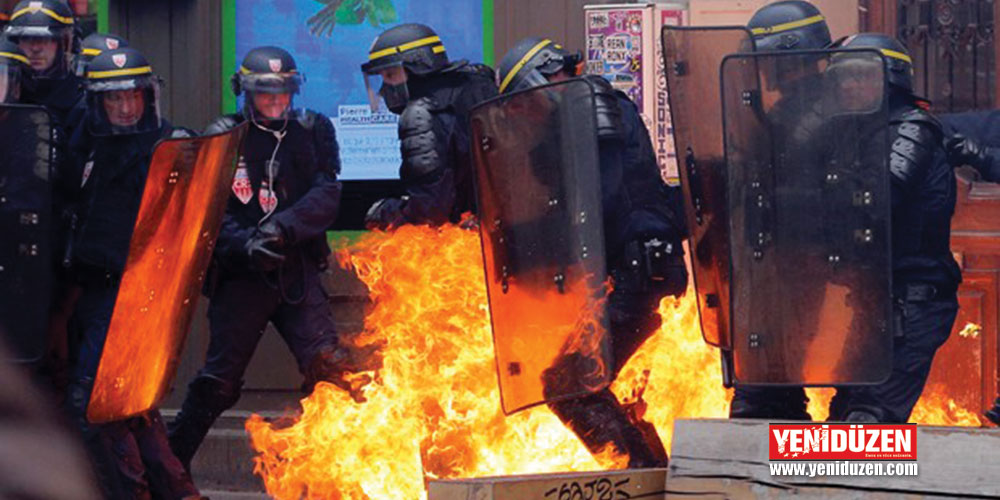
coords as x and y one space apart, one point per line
435 412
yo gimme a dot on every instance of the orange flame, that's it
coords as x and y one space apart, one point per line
435 411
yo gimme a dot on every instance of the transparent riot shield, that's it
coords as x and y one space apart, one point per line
538 187
808 191
179 218
26 266
691 60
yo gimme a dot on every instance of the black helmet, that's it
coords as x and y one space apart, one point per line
50 19
789 25
415 47
13 68
93 45
119 77
267 70
898 64
531 61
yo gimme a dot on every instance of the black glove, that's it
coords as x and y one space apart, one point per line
965 151
265 246
385 213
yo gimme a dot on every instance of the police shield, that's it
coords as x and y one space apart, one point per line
538 187
691 61
808 194
26 166
181 211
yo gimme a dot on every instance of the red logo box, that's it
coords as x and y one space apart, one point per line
842 441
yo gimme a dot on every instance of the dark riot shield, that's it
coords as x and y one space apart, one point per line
179 218
809 201
539 193
691 58
26 167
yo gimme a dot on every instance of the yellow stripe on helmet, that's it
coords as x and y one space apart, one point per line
520 64
406 46
143 70
48 12
245 71
91 52
896 55
16 57
778 28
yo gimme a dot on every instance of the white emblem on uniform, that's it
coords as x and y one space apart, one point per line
275 65
119 60
34 6
87 168
241 183
111 43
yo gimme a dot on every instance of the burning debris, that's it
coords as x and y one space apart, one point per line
434 409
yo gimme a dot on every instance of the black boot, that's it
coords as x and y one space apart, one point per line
206 399
994 413
600 421
95 440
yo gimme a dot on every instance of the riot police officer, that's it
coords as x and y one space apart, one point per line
113 149
643 230
44 29
432 96
272 246
785 25
925 275
13 70
93 45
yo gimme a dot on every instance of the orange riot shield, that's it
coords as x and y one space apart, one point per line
541 226
179 218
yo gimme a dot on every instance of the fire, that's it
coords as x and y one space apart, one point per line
434 411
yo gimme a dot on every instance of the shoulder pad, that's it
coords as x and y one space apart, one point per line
916 135
309 118
479 70
929 122
222 124
609 115
418 139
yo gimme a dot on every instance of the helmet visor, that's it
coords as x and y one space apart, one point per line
10 82
272 83
48 50
856 80
124 107
527 80
373 87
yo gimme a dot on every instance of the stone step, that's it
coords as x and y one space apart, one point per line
225 462
233 495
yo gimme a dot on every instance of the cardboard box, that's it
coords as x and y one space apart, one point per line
636 483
